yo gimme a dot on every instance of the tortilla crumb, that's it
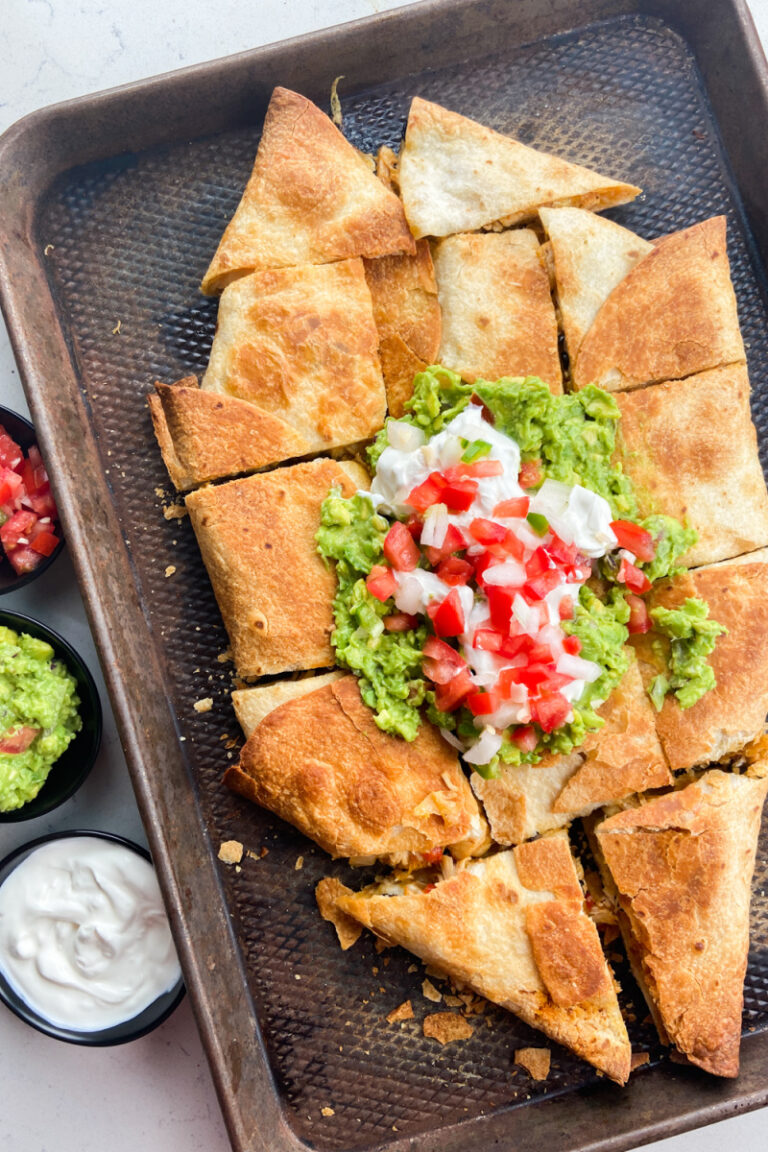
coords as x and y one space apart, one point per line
170 570
403 1011
263 852
639 1058
429 992
536 1061
347 928
48 249
380 946
452 1001
299 864
327 1112
117 327
224 657
159 492
175 512
446 1026
203 705
231 851
412 968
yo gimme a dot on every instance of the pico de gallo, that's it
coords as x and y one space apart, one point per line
496 568
28 515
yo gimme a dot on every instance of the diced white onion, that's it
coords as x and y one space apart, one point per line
579 669
484 749
449 737
510 712
435 526
404 437
509 574
417 589
527 615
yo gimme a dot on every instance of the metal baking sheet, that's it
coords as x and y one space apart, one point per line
112 207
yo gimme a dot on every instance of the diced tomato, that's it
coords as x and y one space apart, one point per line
17 740
487 531
23 559
17 529
565 608
541 654
453 542
400 622
11 486
460 495
500 602
562 553
454 570
34 457
525 737
433 856
44 542
400 548
449 696
481 564
514 646
513 546
441 662
628 574
448 616
43 504
11 456
537 564
415 525
485 411
487 640
533 676
531 474
27 473
426 494
429 887
572 644
477 471
639 620
541 585
635 539
381 582
482 703
550 711
517 506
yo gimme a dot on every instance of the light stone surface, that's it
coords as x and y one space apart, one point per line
155 1094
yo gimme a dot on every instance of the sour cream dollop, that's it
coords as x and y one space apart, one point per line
84 938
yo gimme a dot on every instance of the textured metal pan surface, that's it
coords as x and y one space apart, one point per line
126 243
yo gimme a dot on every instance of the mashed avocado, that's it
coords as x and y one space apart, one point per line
38 715
573 437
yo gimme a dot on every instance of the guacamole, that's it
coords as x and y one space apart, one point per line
38 715
568 439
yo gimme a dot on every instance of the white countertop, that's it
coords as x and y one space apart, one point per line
155 1094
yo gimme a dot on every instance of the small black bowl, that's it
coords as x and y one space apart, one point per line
23 432
153 1015
72 767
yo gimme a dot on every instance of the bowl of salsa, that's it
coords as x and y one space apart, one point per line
30 533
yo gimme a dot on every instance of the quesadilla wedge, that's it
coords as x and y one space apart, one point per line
672 315
733 712
680 869
512 927
252 705
319 761
257 540
498 315
690 448
590 256
622 757
457 176
311 199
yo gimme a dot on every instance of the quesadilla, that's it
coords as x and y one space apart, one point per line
672 315
512 927
257 539
690 448
310 199
457 176
498 315
680 868
622 757
733 712
319 761
590 256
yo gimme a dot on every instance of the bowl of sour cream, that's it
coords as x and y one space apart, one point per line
86 952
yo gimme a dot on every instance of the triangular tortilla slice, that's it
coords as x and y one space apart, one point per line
498 315
311 198
318 760
672 315
681 866
457 176
690 449
512 927
733 712
622 757
591 255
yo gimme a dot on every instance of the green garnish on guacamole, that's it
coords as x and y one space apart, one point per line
38 715
570 439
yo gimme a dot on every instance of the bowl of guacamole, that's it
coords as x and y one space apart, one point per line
50 719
